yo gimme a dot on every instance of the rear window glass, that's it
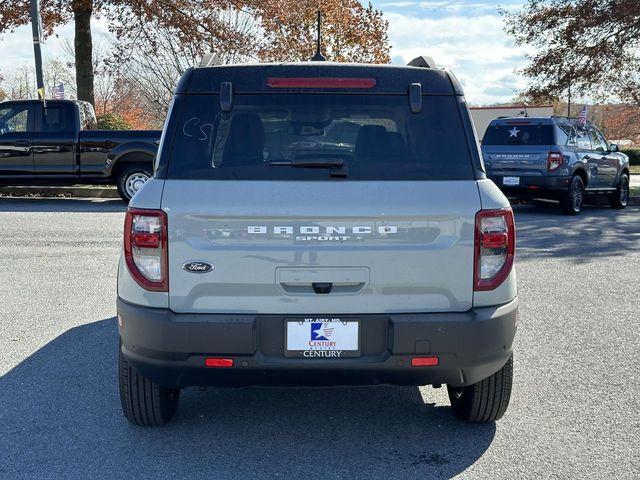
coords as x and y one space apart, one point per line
315 137
518 134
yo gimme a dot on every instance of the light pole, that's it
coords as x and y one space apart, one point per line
36 30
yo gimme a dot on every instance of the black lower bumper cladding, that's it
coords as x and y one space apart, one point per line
534 187
171 348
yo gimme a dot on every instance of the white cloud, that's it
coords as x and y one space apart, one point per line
16 48
474 47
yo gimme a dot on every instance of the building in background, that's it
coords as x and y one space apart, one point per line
482 116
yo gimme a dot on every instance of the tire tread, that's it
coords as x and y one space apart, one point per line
487 400
144 402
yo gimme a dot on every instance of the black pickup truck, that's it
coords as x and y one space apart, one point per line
56 144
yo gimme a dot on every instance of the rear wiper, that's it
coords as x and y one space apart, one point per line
337 165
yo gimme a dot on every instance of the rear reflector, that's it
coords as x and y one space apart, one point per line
311 82
218 362
424 361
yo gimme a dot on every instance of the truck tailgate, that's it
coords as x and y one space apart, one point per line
321 247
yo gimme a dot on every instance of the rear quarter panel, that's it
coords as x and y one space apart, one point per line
492 198
148 197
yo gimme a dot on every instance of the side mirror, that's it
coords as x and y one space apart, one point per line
614 147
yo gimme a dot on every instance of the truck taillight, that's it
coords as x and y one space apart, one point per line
554 161
145 248
495 245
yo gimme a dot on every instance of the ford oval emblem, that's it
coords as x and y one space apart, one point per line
197 267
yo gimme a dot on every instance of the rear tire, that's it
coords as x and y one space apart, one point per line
144 402
131 179
571 202
485 401
620 199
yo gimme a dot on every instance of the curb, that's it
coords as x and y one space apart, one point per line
84 191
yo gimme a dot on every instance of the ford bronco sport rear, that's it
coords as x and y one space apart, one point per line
312 224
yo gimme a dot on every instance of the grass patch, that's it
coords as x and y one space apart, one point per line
634 169
634 192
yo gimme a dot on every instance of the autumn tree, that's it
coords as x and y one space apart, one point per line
169 34
351 32
157 51
592 46
190 17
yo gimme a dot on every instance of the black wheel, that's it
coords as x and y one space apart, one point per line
620 198
144 402
131 179
485 401
571 202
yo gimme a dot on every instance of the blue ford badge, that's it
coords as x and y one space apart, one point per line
197 267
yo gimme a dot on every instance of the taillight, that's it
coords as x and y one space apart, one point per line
145 248
554 161
495 244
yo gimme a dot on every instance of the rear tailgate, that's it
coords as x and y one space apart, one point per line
518 147
522 160
383 246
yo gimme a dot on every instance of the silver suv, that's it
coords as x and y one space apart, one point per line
317 224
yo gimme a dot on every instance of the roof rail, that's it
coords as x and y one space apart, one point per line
209 60
423 62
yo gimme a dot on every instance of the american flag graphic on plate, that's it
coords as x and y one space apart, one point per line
58 92
582 118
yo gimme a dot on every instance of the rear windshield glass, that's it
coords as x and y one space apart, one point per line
518 134
317 137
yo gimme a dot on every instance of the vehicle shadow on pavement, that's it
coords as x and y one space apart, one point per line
61 418
34 204
597 232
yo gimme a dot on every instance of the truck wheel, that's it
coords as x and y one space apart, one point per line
571 202
131 180
144 402
620 198
485 401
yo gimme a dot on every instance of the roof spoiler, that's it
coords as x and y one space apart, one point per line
422 62
209 60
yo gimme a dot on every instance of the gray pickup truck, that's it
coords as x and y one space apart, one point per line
304 226
57 144
555 158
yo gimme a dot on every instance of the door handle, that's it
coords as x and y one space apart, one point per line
22 143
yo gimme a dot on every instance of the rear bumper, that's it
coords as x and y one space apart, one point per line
533 186
171 348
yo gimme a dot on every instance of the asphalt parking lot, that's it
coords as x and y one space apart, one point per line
575 412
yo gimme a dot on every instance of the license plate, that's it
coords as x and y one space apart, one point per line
319 337
511 181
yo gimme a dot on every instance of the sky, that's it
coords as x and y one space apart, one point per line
466 36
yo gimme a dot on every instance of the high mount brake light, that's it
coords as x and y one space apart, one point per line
145 248
320 82
495 244
554 161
